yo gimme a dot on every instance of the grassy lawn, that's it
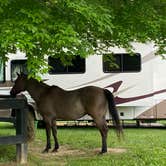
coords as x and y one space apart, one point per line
80 146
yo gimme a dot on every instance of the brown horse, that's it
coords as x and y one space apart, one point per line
55 103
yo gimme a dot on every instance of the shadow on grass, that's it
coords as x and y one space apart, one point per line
7 153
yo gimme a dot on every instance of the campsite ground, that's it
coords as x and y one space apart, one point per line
80 146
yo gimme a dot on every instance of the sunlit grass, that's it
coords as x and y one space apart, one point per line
144 147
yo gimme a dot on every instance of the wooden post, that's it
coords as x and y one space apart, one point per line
21 129
21 153
20 105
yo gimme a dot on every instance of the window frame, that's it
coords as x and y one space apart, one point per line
4 75
67 72
12 80
121 70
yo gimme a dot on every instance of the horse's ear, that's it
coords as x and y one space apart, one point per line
44 80
17 74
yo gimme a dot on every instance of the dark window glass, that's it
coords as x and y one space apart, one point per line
121 113
2 71
18 66
56 66
122 62
112 63
131 63
78 66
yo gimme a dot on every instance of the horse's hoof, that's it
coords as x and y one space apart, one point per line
45 151
102 152
54 150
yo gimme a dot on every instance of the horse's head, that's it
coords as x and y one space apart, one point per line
19 84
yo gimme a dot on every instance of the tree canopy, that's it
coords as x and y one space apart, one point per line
66 28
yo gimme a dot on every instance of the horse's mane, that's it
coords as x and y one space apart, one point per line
41 82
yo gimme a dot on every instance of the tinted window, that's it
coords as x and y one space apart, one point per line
18 66
122 63
112 63
78 66
131 63
2 71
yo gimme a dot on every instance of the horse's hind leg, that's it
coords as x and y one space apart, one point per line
48 134
54 132
101 124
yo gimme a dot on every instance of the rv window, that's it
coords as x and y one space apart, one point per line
18 66
2 71
78 66
122 62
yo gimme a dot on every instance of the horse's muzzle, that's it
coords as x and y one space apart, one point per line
12 93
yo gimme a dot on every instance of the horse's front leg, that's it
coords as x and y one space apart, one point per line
54 133
48 134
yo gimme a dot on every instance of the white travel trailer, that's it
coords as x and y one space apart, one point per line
138 82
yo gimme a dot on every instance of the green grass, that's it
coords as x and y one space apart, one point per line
145 147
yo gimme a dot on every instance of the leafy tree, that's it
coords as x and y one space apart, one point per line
66 28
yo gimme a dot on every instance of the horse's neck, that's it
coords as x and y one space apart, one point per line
36 88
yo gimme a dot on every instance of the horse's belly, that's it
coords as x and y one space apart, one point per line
70 112
67 107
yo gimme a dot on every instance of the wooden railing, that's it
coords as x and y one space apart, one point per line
19 139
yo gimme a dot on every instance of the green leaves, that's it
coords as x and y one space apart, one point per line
70 27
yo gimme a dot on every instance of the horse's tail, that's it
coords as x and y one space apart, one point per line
113 111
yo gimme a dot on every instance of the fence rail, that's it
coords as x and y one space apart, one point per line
18 103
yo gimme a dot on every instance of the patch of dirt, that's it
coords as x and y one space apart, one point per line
62 151
112 150
67 151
